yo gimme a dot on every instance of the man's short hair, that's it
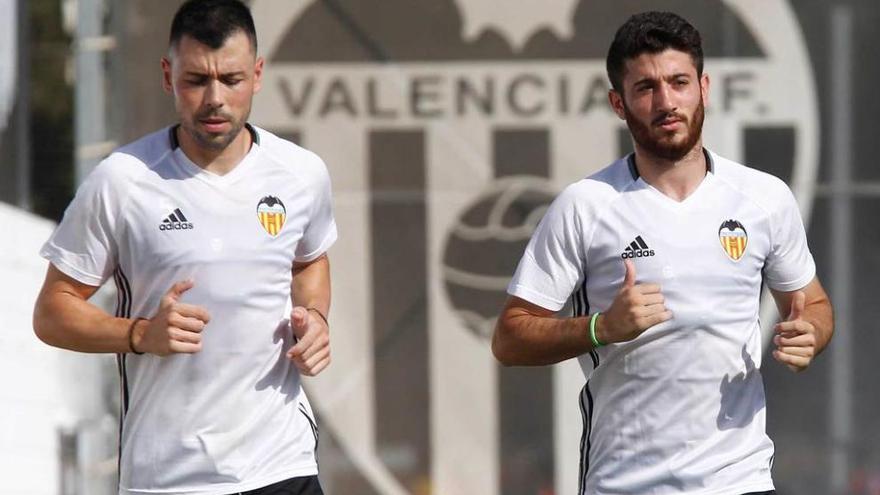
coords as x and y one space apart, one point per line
212 22
651 32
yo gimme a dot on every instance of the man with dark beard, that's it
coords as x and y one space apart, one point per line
663 254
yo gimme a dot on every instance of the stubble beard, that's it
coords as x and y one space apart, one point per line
659 145
214 141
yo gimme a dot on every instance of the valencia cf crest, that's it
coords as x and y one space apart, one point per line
271 213
734 239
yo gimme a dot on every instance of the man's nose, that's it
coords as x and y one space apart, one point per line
213 95
663 98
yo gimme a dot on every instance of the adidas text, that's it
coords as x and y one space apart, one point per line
176 221
176 226
637 249
638 253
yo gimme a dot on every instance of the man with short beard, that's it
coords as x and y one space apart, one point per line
208 228
663 255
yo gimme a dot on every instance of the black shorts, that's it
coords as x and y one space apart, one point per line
306 485
771 492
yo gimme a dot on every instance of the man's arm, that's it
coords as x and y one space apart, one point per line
807 328
529 335
310 289
63 317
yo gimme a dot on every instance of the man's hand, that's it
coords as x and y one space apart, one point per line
311 353
176 327
636 308
795 337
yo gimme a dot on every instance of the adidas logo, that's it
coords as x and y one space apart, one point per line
637 249
175 221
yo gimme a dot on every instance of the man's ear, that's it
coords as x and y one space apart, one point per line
166 75
704 85
258 74
615 99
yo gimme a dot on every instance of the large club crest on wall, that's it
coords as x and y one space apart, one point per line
485 244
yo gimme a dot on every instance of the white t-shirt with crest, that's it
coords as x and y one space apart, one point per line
681 408
234 416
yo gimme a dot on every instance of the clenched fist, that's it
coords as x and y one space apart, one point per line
311 353
795 337
636 308
175 328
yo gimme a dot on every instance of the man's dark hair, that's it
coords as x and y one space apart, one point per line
212 22
651 32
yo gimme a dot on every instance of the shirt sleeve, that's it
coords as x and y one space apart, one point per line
553 260
320 232
83 246
790 265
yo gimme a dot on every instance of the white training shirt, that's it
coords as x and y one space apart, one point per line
232 417
681 408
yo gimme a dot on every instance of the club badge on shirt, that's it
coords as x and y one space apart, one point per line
271 213
734 239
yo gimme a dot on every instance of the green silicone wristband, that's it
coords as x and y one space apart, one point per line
595 340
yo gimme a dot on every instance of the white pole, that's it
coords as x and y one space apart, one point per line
90 120
841 244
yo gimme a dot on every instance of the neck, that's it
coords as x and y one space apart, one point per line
674 178
219 162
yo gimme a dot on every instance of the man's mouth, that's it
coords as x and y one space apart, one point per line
214 124
668 123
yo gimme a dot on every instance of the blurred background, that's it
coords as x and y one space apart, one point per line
447 126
